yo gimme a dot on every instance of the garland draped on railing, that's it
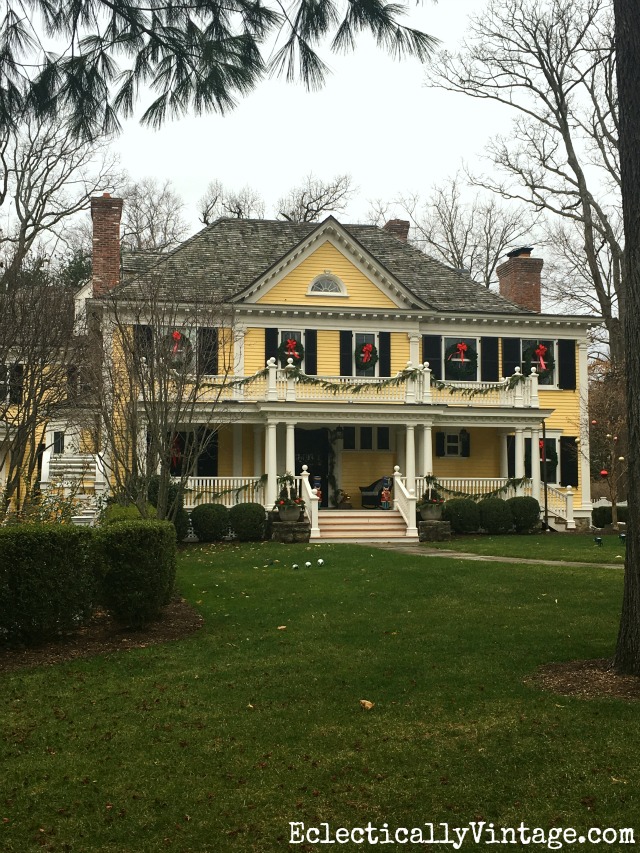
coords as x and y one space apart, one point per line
237 490
356 386
238 383
512 483
507 384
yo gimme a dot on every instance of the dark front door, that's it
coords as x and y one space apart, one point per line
312 450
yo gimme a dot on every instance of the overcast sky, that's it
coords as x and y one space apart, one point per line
373 119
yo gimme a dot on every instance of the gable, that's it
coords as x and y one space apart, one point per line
362 291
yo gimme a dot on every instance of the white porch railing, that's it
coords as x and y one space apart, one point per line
311 500
404 500
227 491
474 486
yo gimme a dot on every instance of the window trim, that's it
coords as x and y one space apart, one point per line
354 345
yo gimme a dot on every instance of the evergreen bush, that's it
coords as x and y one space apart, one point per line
248 521
124 512
210 522
463 515
525 512
495 516
601 516
47 581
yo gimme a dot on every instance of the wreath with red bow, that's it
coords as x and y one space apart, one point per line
290 348
366 356
179 350
540 356
461 362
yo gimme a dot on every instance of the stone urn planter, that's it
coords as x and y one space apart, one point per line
431 512
288 513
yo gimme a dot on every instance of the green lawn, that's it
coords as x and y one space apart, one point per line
216 742
544 546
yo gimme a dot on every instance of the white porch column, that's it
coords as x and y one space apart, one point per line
237 450
519 455
583 447
414 348
410 460
46 459
271 462
504 456
420 450
535 464
258 452
238 358
290 449
427 461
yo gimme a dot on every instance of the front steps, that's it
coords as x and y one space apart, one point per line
362 525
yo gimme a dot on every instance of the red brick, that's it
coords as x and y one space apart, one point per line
106 213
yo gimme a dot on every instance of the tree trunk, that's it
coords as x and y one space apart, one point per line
627 37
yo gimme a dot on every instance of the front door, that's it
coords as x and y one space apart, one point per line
312 450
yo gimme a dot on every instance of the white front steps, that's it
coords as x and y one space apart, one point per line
363 525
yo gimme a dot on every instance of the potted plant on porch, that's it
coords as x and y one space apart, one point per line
289 504
430 505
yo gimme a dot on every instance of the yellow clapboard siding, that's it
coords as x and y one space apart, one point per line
361 291
225 452
484 460
363 467
399 351
328 353
253 351
247 450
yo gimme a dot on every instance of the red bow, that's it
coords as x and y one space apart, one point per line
462 348
291 347
543 453
540 353
176 340
367 349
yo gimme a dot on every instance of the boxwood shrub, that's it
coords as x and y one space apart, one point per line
495 516
463 515
47 581
248 521
602 515
138 568
210 522
525 512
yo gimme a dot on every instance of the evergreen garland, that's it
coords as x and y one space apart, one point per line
512 483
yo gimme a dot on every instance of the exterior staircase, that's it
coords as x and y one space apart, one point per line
362 525
73 469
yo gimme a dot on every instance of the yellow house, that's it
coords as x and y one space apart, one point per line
371 361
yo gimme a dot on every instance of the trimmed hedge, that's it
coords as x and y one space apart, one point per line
495 516
210 522
602 515
124 512
138 562
248 521
525 512
175 500
463 515
47 581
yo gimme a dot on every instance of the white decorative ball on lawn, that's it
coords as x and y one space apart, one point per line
308 565
296 566
321 562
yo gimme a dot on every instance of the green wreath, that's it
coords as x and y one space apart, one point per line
461 361
366 356
178 349
290 348
536 355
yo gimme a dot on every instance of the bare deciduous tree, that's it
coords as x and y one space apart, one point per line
315 198
152 215
554 65
46 177
219 202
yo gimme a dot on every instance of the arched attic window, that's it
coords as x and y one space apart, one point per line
327 284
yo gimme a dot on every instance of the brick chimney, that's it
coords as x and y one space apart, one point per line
399 228
106 213
519 278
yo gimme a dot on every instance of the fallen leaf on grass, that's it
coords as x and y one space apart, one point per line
282 627
366 705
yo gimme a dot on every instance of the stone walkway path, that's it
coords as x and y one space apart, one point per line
426 551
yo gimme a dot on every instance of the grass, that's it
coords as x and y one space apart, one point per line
580 548
216 742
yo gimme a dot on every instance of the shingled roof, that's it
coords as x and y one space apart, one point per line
225 258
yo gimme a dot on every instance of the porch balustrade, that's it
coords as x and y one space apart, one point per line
227 491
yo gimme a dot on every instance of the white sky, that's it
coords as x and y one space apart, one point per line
373 119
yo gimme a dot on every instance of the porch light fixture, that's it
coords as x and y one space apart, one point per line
598 541
623 538
339 433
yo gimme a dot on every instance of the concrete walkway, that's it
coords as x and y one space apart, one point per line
426 551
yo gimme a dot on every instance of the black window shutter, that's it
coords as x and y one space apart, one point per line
511 456
567 365
511 356
4 387
439 444
346 353
142 341
208 352
489 360
271 344
384 353
527 457
568 461
432 352
16 376
310 364
465 443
